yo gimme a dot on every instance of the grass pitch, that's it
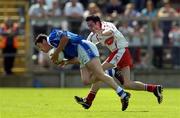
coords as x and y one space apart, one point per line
59 103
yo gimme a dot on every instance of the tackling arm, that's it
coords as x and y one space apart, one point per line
70 61
105 34
73 61
63 42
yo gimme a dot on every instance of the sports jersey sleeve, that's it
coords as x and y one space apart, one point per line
74 38
92 38
110 27
55 37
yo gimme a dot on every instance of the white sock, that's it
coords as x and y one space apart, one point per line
120 92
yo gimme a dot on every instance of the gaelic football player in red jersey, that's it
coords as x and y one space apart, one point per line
108 35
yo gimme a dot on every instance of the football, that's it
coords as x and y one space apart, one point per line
61 54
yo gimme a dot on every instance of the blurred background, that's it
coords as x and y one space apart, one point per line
152 28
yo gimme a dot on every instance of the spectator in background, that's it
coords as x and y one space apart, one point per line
126 30
167 11
174 36
130 12
9 31
140 4
157 42
55 14
74 11
114 8
55 11
101 3
136 43
149 11
38 13
93 9
85 3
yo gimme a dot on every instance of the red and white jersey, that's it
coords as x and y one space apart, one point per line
114 42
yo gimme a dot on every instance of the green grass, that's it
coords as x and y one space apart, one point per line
59 103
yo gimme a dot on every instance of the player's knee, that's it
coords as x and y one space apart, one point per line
93 79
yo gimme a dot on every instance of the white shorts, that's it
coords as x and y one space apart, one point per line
86 52
120 58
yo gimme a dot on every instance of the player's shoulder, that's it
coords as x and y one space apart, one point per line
56 33
107 23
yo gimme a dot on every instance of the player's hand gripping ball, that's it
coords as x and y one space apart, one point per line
60 57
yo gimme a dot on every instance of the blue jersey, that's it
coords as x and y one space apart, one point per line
70 50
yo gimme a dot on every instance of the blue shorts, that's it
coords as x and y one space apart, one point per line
86 52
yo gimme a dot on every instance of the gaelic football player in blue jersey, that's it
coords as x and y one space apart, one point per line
78 50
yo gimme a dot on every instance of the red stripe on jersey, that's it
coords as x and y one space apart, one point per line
109 41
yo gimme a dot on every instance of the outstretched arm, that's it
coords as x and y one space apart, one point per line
70 61
63 42
73 61
105 34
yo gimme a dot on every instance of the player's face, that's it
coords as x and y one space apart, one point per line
44 46
94 27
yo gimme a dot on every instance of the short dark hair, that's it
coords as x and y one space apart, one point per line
93 18
40 38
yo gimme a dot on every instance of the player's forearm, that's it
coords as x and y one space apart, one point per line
72 61
62 45
107 33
